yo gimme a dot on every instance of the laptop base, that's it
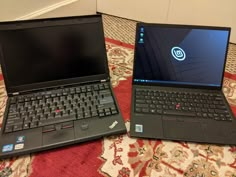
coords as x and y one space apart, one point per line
181 128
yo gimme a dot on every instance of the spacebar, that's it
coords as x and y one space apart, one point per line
57 120
178 113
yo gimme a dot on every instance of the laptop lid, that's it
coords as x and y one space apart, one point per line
46 53
180 55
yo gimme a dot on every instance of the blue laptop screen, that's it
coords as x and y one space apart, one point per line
174 54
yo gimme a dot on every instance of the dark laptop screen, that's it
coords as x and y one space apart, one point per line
174 54
56 50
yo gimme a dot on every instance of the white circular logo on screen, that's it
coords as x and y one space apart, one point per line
178 53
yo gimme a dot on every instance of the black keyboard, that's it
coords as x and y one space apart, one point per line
198 105
59 106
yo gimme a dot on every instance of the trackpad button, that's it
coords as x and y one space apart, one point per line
62 135
182 129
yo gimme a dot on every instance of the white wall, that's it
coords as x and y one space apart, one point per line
28 9
201 12
11 9
136 9
80 7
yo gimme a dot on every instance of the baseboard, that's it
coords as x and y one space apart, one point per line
45 10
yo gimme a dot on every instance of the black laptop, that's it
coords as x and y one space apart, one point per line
58 85
177 84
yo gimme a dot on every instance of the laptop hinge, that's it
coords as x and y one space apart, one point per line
18 93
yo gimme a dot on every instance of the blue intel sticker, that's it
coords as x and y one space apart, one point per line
20 139
7 148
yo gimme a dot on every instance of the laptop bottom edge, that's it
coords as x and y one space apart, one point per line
174 128
33 140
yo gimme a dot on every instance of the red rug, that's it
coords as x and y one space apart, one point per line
121 156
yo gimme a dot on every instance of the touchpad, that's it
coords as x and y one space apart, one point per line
182 129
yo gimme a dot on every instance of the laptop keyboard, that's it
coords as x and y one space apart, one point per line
198 105
45 109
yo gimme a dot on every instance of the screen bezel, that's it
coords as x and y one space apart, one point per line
141 24
45 23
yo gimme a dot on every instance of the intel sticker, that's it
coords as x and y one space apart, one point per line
19 146
20 139
138 128
7 148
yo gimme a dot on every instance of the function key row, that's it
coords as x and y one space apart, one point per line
58 93
174 94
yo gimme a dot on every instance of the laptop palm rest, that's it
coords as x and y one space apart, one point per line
58 136
182 128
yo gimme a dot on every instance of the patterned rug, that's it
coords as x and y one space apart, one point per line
121 156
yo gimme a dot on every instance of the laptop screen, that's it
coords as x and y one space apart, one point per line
175 54
51 50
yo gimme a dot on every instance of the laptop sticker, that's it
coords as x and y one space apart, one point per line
20 139
19 146
138 128
113 124
7 148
